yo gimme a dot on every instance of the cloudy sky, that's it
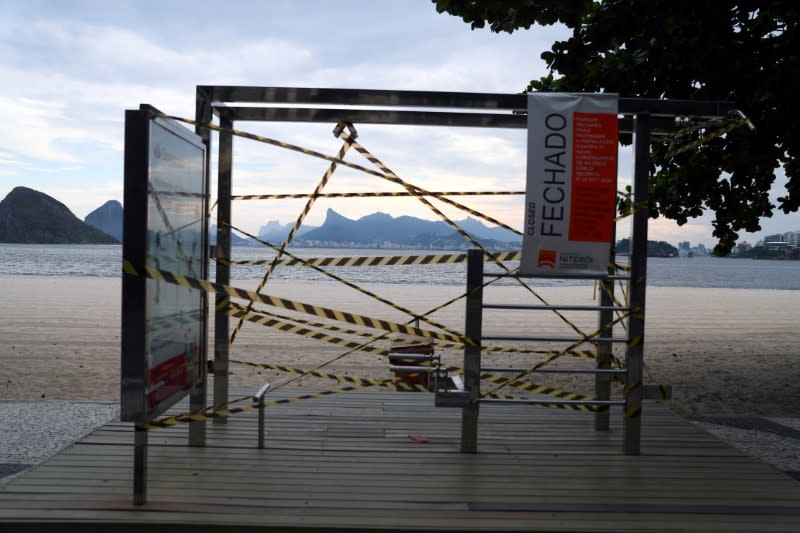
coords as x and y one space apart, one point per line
70 69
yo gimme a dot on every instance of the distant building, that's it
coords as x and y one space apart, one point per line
778 237
685 245
743 247
792 237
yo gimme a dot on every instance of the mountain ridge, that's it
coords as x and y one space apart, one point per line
107 218
382 230
28 216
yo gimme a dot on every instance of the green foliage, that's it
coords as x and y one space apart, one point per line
654 248
743 51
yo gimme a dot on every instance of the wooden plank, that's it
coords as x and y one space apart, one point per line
325 467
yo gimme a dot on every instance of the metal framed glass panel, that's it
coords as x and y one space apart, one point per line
162 323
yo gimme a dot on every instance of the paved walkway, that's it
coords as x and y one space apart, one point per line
32 431
775 441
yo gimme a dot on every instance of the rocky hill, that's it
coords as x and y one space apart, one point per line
382 230
107 218
32 217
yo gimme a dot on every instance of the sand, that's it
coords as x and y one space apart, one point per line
724 351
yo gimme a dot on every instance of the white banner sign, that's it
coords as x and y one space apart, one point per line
572 183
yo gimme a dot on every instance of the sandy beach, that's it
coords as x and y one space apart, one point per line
724 351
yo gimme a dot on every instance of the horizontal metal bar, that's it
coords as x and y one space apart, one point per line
557 307
412 369
554 402
409 118
373 97
411 356
364 97
598 277
548 339
375 116
556 370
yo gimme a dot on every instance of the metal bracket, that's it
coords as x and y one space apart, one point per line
258 400
352 133
452 399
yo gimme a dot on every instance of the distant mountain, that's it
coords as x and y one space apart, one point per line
275 233
476 228
382 230
28 216
107 218
236 240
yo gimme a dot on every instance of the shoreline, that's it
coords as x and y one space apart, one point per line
725 351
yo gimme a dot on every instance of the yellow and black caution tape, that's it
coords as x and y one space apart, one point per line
415 191
384 194
287 327
574 345
389 175
348 141
631 412
365 382
632 210
386 174
223 412
726 125
362 290
283 303
298 320
273 320
364 261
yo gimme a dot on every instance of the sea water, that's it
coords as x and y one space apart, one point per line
105 261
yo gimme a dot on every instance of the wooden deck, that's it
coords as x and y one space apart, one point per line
347 461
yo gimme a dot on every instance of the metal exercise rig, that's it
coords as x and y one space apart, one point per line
643 118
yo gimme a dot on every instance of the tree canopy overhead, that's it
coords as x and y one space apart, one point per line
744 51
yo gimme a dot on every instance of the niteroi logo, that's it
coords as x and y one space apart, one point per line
547 259
163 154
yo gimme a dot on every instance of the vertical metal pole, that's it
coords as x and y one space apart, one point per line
472 352
223 274
198 395
139 465
602 382
634 355
261 423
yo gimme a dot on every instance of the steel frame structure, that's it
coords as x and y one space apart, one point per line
644 118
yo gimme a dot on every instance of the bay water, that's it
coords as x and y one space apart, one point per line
105 261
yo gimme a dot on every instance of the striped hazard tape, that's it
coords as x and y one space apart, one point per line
298 320
306 209
364 261
384 194
223 411
563 352
283 303
520 385
365 382
726 125
266 319
287 327
413 190
425 318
